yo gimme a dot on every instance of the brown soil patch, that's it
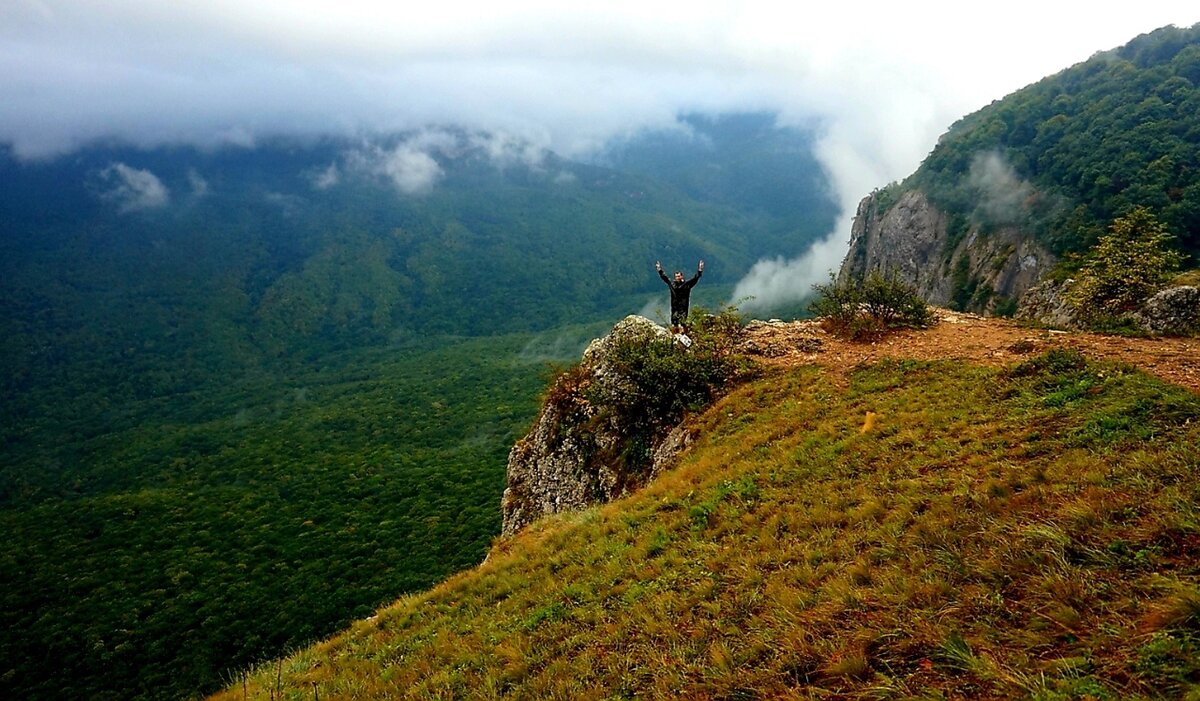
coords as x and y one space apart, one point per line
985 340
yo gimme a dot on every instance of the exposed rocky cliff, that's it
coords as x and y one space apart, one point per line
951 263
574 455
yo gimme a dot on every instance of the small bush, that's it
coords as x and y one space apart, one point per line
870 308
667 379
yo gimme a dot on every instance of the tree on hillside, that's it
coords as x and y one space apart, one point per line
1128 265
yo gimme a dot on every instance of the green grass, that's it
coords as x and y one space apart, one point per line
993 535
1190 277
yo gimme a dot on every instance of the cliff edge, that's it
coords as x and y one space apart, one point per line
581 449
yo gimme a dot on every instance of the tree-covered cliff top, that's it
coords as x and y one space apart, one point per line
1066 155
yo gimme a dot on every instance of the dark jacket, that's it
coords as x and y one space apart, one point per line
681 294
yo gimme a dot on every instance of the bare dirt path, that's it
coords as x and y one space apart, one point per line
990 341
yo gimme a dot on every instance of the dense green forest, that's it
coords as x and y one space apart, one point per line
1084 146
238 419
231 524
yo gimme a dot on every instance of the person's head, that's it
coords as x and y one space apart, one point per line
678 276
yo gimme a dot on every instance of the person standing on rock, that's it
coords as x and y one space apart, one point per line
681 292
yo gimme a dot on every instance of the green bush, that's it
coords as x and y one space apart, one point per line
1128 265
667 378
866 309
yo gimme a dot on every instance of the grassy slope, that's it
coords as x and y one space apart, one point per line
993 535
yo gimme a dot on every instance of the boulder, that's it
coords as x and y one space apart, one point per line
1173 311
1046 303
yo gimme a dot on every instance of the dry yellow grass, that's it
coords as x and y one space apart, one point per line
993 535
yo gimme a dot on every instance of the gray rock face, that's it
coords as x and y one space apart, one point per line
1175 311
1046 303
905 239
564 462
912 239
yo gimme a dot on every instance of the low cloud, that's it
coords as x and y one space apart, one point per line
655 310
505 150
414 165
772 283
409 168
325 179
858 154
885 83
198 184
289 205
1004 197
412 171
564 346
132 189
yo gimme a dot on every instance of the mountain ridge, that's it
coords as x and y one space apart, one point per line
1023 186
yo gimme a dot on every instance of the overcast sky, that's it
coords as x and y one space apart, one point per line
885 78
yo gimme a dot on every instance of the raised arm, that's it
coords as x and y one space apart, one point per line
696 278
661 274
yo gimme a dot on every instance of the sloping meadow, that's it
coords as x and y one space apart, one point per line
906 529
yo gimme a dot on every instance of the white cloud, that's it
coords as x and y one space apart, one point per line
408 165
505 150
327 178
412 171
198 184
132 189
1005 197
884 78
412 163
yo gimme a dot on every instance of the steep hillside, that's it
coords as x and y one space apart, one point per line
1011 189
886 530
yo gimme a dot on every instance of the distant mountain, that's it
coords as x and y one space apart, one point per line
1011 189
743 161
215 260
249 394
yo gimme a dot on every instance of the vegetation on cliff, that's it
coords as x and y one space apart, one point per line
1030 532
1067 155
664 378
614 420
1125 268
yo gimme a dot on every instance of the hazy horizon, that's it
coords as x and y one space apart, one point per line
881 81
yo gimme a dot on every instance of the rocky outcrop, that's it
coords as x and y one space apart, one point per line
1046 303
567 461
1174 311
952 264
